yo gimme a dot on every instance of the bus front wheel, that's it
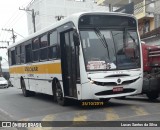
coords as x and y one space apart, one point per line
59 94
105 100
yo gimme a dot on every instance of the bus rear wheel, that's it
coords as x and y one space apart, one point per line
59 94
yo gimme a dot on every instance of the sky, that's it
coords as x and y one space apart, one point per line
12 17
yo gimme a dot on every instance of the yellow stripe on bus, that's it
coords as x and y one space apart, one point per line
54 68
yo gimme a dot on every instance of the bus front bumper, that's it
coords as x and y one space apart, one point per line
98 91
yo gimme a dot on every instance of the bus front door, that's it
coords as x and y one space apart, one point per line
69 63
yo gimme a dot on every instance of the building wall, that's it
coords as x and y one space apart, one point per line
154 39
47 10
146 25
139 10
157 14
152 24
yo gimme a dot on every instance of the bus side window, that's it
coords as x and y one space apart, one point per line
35 49
53 38
18 55
52 49
22 57
44 47
28 50
13 57
52 52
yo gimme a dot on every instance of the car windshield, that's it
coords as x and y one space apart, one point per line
2 79
106 49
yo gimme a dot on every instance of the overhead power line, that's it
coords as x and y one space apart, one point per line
19 34
3 47
5 42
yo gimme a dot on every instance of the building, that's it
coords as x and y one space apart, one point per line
47 12
153 37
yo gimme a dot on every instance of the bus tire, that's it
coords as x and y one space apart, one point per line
122 98
152 95
59 94
105 100
26 92
54 90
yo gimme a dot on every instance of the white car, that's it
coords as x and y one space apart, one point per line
3 83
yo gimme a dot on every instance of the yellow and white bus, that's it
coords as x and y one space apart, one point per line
92 55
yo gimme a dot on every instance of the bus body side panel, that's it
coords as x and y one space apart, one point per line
15 75
41 81
85 91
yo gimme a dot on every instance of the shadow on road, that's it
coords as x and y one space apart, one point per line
78 104
112 103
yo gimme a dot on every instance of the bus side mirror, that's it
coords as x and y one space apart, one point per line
76 38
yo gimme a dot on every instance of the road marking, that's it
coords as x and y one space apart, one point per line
80 116
6 113
24 119
111 114
49 118
139 110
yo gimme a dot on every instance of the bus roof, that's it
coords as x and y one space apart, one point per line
74 18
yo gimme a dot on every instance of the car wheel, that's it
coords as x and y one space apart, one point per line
152 95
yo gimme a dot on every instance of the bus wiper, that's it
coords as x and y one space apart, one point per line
131 37
126 32
102 39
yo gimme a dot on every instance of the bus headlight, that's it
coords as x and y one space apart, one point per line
91 81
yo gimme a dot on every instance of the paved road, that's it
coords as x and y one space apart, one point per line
42 108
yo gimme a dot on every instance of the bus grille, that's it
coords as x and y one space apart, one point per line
114 83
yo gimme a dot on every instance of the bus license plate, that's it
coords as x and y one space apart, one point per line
118 89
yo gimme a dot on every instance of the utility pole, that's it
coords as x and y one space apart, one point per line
11 30
110 8
33 17
0 66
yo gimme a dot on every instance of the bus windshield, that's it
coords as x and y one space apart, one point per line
108 49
